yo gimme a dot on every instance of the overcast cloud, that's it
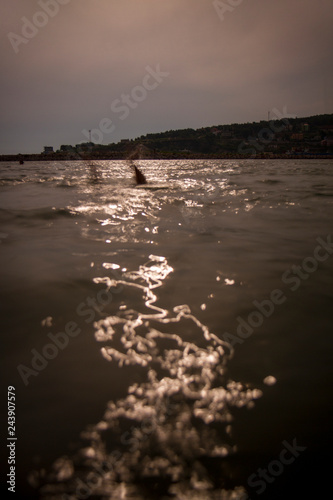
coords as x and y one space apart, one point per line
264 54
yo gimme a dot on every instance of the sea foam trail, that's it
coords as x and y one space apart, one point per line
158 439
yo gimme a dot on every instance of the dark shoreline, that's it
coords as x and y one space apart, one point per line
161 156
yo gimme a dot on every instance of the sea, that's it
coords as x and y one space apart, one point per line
171 340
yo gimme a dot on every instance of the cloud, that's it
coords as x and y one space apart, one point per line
264 54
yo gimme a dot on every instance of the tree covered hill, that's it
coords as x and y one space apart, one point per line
278 137
283 136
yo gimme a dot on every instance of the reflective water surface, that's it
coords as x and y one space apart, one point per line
172 367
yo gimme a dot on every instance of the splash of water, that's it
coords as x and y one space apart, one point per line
167 437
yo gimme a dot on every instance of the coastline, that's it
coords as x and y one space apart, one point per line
161 156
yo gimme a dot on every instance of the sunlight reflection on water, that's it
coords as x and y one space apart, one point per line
168 426
224 231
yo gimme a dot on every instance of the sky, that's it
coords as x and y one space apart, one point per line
125 68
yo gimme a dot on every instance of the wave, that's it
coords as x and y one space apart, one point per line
45 213
11 181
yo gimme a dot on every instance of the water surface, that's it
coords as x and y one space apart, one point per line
134 298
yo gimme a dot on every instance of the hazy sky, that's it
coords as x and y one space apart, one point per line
131 67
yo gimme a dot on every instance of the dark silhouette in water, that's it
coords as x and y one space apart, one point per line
136 155
140 178
94 176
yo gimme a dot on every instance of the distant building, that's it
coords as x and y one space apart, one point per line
297 137
326 128
48 149
85 146
328 141
65 147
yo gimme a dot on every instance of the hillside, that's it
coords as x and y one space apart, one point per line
286 137
310 135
